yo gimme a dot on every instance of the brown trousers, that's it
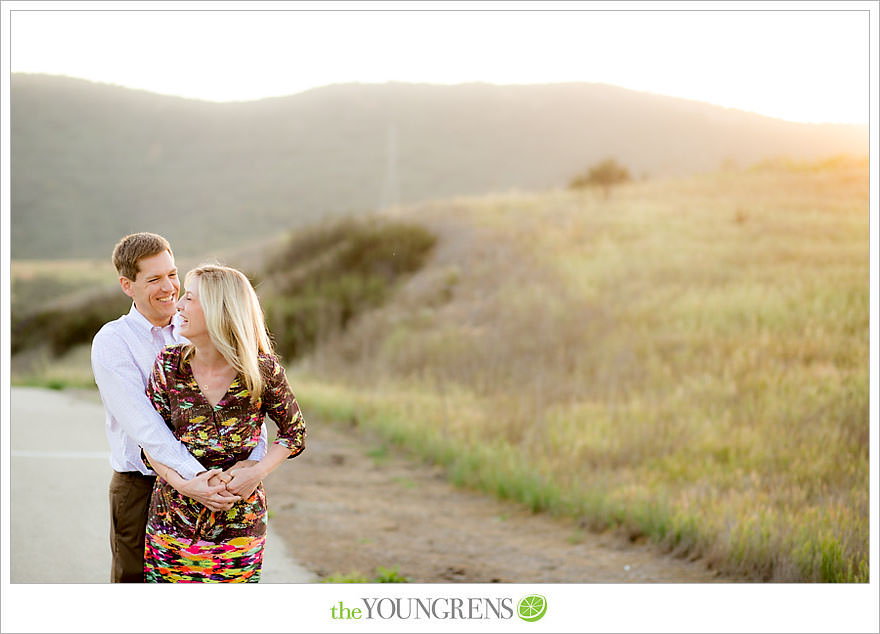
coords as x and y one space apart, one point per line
129 505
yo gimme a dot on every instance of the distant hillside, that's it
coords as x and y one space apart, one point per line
91 162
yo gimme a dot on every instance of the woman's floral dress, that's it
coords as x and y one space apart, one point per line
185 540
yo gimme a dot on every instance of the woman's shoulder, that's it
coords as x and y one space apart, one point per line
270 364
170 356
173 351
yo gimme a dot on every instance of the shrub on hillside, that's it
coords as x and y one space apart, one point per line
323 278
606 174
64 326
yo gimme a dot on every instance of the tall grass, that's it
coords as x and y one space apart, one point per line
687 361
40 368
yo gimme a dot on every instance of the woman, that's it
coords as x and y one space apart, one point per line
213 393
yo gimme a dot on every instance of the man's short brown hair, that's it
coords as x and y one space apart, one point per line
135 247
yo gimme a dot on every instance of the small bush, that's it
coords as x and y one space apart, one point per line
605 175
389 575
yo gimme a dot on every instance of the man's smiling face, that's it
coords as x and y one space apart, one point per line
155 288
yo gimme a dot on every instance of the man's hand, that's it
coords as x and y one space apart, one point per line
214 496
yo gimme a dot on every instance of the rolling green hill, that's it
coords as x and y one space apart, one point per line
91 162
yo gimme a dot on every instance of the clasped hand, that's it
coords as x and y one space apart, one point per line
220 490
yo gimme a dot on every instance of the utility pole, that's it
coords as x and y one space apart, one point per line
391 187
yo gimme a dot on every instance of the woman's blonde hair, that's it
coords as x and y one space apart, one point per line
234 320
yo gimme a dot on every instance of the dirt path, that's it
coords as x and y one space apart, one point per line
342 507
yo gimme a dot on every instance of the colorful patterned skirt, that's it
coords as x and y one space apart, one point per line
187 542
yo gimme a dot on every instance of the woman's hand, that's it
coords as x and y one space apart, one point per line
223 478
240 464
245 478
208 489
219 477
214 496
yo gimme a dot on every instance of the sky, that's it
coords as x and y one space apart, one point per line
792 64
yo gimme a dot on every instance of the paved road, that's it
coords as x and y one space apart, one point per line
60 472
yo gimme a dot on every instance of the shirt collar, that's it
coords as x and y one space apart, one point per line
142 323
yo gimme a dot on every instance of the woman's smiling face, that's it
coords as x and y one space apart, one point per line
193 323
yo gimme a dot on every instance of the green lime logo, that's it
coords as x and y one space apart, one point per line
532 608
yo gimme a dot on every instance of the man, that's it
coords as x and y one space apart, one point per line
123 353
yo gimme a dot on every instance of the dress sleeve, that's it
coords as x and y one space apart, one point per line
279 403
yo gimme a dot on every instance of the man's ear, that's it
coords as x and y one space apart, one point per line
126 283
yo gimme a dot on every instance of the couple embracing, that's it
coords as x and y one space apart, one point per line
186 381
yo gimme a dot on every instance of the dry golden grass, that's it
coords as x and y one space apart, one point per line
687 360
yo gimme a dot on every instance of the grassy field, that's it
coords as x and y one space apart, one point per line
686 362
